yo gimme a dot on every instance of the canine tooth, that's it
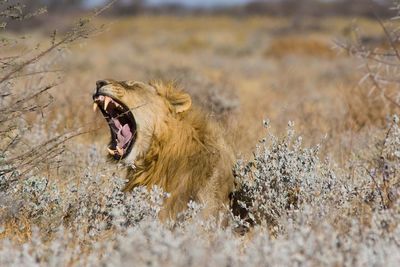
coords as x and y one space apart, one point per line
120 151
107 101
94 106
112 152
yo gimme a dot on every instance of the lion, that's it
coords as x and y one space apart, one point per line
164 140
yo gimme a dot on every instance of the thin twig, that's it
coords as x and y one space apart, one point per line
377 85
389 38
377 187
34 73
33 59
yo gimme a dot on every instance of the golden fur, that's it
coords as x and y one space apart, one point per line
177 148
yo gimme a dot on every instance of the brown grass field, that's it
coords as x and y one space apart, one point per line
254 64
256 67
241 71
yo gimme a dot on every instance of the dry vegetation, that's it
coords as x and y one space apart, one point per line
327 198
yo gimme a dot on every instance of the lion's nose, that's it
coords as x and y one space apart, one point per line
101 83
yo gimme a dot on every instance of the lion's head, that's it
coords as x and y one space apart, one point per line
171 144
135 112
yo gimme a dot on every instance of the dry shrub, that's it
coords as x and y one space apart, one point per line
282 177
299 46
285 179
316 213
27 148
380 60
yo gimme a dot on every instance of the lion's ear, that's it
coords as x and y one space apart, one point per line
181 102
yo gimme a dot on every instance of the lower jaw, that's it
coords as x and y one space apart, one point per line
117 156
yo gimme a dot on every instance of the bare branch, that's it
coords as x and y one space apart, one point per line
389 38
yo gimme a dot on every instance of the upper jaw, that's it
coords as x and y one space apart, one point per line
104 100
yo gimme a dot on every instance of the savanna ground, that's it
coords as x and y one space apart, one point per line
329 198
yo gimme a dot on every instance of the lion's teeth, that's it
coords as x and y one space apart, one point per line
107 101
94 106
112 152
120 151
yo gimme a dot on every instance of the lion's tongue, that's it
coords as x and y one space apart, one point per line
124 135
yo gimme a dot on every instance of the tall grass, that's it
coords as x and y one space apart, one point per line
63 205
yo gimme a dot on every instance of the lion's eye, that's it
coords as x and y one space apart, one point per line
129 84
133 85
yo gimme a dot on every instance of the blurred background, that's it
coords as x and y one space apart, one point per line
242 61
235 7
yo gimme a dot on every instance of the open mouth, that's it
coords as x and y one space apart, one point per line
121 122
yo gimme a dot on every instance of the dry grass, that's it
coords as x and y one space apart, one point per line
366 107
241 72
308 46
